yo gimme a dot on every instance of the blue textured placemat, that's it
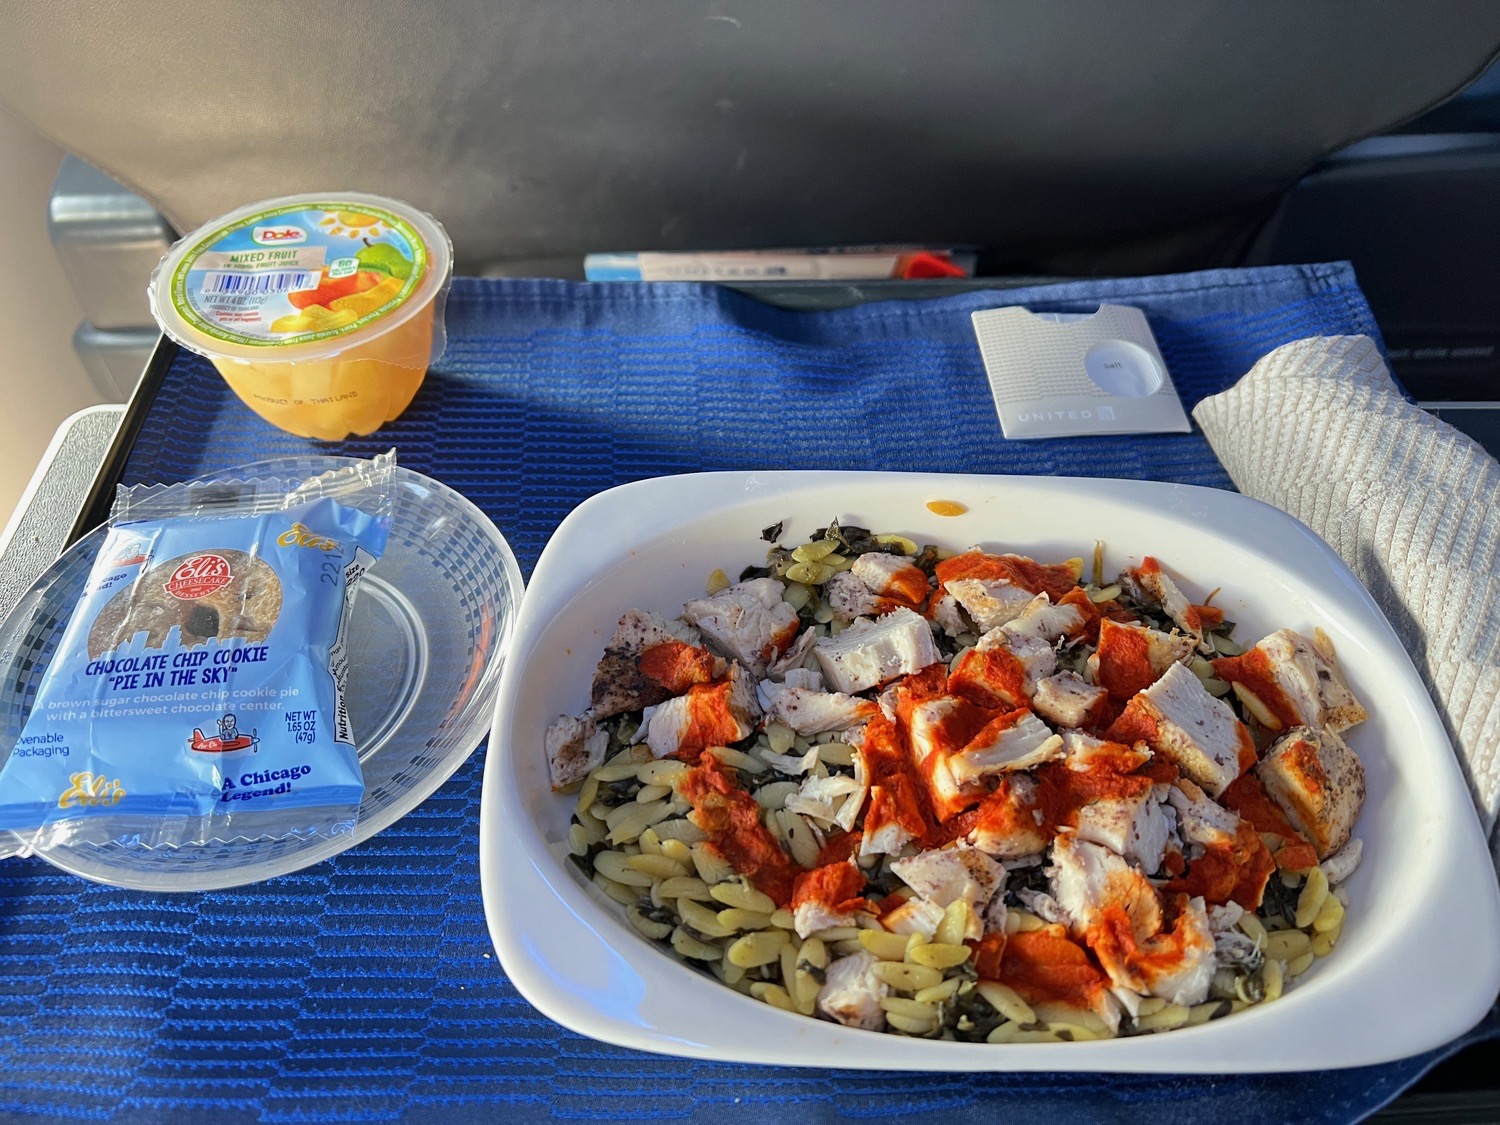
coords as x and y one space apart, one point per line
365 988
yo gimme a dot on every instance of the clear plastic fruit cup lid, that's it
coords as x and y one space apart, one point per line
301 277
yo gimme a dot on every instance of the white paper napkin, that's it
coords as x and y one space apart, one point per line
1318 429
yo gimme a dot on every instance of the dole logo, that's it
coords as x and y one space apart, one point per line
199 576
277 236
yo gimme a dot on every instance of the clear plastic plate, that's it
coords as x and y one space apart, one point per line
431 624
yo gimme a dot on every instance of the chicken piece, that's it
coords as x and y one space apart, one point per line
1119 914
717 714
807 679
1111 804
938 729
1343 863
823 798
1134 826
790 661
1043 905
886 829
1225 916
1066 699
1130 658
1055 580
851 993
1200 820
574 748
748 622
1319 783
1036 655
1181 721
992 678
892 577
849 598
828 896
1087 879
813 712
621 683
1014 741
1085 752
990 603
894 813
1009 822
1001 671
1043 620
875 584
948 615
943 876
1149 583
914 916
1296 682
870 653
792 764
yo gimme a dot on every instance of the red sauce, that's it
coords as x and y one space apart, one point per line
896 791
1117 612
1301 757
1047 967
992 726
1193 617
1229 872
993 677
1253 670
1248 797
1162 770
709 720
1062 792
838 886
1053 580
988 952
781 641
1246 757
1124 661
676 666
967 723
1089 630
1007 815
1210 616
731 819
1137 723
839 847
929 683
1149 958
907 585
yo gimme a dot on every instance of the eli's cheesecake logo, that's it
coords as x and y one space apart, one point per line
199 576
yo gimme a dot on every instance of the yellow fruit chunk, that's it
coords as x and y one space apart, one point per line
295 322
361 304
314 318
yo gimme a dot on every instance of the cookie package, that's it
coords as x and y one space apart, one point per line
196 693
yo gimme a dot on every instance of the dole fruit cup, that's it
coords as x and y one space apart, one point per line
322 312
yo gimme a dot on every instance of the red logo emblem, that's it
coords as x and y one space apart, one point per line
198 577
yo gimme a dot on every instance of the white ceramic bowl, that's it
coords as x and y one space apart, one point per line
1419 961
